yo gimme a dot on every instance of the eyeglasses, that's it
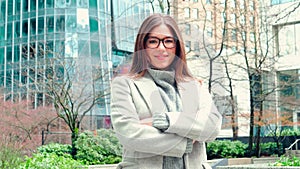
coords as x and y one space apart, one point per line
154 42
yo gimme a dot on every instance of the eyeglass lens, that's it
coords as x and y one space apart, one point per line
154 42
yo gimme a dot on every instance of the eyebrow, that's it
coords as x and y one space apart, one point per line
161 38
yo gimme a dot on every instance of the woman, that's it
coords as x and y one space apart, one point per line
161 114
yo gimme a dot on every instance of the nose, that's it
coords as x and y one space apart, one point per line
161 46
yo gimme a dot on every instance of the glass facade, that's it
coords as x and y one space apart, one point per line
276 2
289 95
32 31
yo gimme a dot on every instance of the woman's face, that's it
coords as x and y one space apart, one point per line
161 47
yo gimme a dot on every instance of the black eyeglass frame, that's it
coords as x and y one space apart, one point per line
161 40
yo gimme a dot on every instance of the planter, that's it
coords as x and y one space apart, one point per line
255 166
105 166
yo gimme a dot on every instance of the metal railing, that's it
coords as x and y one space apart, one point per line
291 146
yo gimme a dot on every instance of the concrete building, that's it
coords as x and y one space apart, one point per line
283 18
216 31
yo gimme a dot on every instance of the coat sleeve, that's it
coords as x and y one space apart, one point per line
136 136
200 119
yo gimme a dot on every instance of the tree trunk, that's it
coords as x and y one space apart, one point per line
251 124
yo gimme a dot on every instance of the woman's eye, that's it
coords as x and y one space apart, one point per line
169 41
153 41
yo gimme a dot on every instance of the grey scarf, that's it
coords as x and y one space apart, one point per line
165 81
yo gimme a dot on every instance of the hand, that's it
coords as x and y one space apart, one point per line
160 121
147 121
189 146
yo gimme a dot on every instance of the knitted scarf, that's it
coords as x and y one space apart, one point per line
165 81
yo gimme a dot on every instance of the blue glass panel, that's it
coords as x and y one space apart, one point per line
82 3
25 6
60 23
10 7
50 3
93 4
40 25
32 5
32 26
16 53
41 4
17 29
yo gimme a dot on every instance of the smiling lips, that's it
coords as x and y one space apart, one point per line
161 57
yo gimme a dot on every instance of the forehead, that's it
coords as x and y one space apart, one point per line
161 31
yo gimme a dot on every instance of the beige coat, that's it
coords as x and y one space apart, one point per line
134 100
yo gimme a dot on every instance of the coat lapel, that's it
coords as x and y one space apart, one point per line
150 93
189 95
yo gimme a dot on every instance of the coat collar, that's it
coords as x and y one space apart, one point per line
151 95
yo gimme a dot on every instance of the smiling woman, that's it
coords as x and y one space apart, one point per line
160 55
161 114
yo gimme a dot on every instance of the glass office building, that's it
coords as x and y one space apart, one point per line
72 29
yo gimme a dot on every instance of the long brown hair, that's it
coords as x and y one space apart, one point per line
140 64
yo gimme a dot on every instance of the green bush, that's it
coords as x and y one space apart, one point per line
9 157
56 148
290 132
50 161
103 148
225 149
286 161
269 148
286 132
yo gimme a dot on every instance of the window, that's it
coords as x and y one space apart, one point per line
32 5
82 3
93 25
18 6
41 4
25 6
187 29
232 3
244 36
25 28
93 4
252 37
195 13
17 29
223 2
242 19
233 48
208 15
40 25
209 32
251 5
187 46
32 26
50 23
276 2
288 82
187 12
233 35
223 16
233 18
71 23
82 20
50 3
2 12
288 38
251 20
60 23
242 4
196 46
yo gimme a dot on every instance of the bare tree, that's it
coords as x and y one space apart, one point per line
74 85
